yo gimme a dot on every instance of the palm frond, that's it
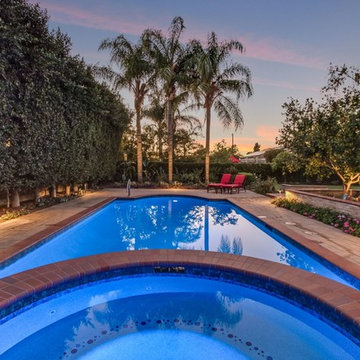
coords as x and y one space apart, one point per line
240 88
228 112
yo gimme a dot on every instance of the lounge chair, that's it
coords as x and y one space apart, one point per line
239 183
225 179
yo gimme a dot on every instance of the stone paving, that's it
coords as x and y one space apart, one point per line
346 246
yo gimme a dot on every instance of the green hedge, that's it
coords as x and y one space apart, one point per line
57 124
191 173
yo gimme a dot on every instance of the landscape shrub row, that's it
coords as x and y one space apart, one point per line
345 222
194 173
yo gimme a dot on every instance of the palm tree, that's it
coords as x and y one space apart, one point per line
170 58
156 113
183 123
216 80
135 74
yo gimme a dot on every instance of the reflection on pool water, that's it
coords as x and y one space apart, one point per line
169 223
163 317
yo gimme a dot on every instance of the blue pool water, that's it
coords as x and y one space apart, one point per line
170 223
170 317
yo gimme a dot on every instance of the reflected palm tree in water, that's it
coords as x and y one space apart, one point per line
165 225
223 215
288 257
169 223
226 247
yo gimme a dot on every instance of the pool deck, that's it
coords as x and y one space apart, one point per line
21 232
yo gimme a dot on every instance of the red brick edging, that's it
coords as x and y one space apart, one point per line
21 289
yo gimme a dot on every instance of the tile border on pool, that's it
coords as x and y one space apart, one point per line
332 301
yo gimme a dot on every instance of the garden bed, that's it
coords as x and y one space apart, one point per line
343 221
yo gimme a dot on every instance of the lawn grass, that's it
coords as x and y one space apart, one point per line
339 187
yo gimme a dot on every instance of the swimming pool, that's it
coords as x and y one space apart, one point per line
170 317
178 222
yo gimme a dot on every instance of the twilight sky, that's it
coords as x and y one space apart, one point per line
289 44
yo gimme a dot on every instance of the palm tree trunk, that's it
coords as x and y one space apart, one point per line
170 140
139 145
160 146
207 145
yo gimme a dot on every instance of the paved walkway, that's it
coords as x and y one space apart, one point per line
347 246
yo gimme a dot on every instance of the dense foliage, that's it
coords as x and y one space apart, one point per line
57 124
286 162
192 172
344 222
326 136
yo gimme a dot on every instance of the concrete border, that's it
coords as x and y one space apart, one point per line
343 206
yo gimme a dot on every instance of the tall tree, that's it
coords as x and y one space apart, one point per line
171 59
216 80
256 147
326 136
135 73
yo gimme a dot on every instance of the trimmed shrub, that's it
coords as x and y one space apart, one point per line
269 185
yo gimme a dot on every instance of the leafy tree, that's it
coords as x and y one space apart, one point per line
286 162
327 136
221 152
271 154
197 153
216 80
171 59
135 73
256 147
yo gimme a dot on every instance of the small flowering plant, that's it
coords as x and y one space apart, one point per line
347 223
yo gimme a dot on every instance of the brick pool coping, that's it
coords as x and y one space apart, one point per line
333 301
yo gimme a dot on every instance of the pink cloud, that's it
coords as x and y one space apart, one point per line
267 133
284 84
270 49
75 16
244 143
267 49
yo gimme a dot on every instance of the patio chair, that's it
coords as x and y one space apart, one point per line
239 183
225 179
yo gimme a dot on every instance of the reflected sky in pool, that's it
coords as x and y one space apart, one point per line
168 223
